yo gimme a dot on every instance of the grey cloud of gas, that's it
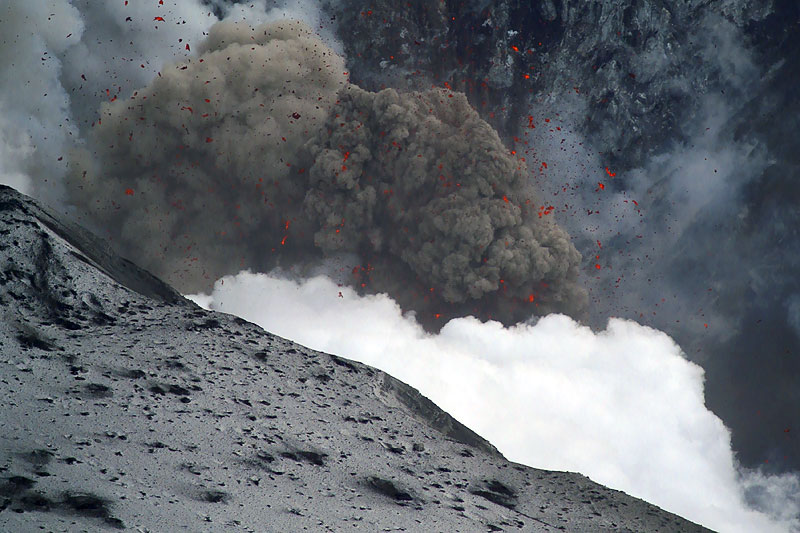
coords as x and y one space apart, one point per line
257 152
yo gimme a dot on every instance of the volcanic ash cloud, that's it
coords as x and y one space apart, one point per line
259 153
424 190
196 175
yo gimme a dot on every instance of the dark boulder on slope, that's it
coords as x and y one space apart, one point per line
128 407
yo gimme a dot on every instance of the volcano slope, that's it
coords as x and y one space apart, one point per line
126 406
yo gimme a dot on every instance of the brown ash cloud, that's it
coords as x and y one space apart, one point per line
258 153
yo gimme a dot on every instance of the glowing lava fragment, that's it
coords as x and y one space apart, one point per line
129 192
545 210
611 174
530 297
505 198
209 140
598 267
601 186
160 19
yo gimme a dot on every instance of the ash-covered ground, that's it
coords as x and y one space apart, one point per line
128 407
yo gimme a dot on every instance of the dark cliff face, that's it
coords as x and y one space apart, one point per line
624 57
693 105
128 407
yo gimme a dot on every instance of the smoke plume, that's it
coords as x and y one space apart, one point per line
259 153
197 175
35 129
423 187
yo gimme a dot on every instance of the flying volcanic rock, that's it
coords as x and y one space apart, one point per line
127 406
259 153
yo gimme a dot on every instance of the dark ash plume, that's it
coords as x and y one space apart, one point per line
422 188
244 158
198 175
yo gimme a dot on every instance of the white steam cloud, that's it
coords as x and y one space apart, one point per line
622 406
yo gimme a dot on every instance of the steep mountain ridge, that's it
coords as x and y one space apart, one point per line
129 407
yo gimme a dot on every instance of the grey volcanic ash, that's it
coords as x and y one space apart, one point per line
196 175
258 153
420 185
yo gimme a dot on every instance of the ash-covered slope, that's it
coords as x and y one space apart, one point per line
126 406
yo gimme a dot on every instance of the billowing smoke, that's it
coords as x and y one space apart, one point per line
258 153
199 174
35 130
423 188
